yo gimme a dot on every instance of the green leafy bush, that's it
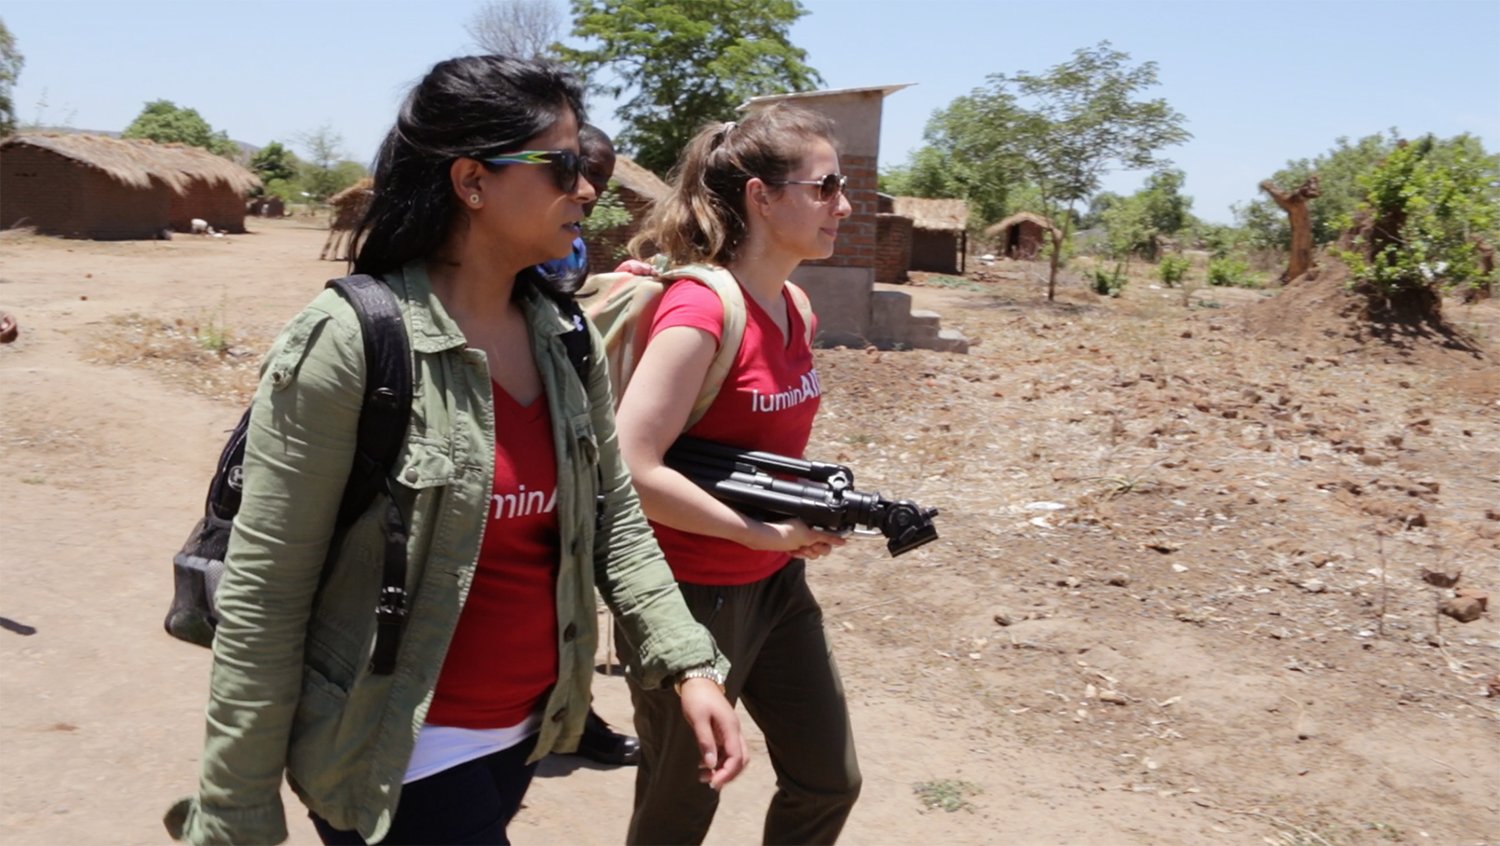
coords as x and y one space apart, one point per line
609 213
1173 269
1428 204
1231 272
1108 283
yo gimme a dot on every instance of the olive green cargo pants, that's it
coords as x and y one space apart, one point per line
783 670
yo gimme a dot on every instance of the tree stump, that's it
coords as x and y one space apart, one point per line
1294 203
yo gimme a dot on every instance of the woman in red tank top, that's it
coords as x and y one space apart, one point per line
757 198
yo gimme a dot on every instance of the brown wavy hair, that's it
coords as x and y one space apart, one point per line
702 219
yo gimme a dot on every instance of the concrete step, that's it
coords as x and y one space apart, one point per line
894 324
952 341
922 328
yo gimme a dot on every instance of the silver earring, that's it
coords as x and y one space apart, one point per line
474 199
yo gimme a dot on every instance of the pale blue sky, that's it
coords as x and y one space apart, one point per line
1259 82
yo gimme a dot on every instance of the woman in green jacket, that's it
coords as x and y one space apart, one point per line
506 448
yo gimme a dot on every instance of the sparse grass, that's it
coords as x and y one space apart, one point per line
33 480
954 282
206 358
212 333
946 794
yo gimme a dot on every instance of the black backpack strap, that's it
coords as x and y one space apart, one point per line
577 341
580 347
382 429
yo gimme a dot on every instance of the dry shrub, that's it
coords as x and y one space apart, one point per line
201 356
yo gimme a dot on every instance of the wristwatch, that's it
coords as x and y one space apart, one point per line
704 672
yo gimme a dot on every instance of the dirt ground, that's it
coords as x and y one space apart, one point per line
1179 595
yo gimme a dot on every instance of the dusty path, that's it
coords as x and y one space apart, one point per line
1219 666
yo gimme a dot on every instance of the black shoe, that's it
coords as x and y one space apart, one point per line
603 745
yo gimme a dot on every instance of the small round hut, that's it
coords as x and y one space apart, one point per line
1021 236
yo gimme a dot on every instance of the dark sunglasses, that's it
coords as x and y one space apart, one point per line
829 186
567 166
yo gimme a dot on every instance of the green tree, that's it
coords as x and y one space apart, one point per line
346 173
962 141
928 173
320 175
11 61
1136 225
1167 209
609 213
1062 130
1098 205
685 63
1128 228
1425 208
165 122
274 161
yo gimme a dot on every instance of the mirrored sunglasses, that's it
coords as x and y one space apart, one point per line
829 186
567 166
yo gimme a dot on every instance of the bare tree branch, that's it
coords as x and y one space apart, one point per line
525 29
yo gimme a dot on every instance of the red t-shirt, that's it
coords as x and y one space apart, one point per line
503 657
767 403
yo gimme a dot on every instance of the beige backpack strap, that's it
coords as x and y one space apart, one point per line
723 283
804 308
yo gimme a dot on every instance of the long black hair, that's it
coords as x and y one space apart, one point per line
471 106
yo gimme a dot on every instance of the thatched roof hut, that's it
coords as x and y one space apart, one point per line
95 186
364 185
931 214
637 188
1022 235
940 232
637 180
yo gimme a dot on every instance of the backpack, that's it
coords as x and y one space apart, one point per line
198 568
622 305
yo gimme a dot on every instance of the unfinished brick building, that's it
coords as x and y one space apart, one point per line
842 287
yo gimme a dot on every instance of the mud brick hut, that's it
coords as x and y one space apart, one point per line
939 232
95 186
637 188
1022 236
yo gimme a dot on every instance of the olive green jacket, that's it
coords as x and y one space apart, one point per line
291 690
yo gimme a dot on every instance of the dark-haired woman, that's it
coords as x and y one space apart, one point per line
757 198
506 447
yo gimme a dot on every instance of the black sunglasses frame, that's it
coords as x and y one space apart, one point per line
567 166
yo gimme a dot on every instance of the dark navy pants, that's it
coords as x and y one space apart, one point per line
471 803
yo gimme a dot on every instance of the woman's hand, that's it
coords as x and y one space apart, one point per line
721 748
794 536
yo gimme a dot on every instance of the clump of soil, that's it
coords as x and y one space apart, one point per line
1321 312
